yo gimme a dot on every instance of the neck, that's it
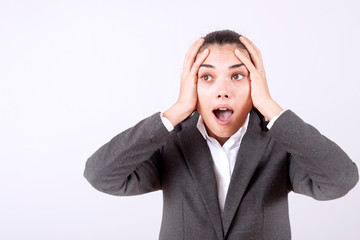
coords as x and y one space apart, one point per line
221 140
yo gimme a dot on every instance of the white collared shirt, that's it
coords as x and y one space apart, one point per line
224 157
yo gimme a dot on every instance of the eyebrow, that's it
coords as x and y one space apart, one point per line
231 67
236 65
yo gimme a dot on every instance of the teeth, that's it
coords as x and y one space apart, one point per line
222 109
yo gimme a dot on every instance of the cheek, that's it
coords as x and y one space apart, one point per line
203 92
242 89
203 98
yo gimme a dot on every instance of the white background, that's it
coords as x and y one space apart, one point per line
75 73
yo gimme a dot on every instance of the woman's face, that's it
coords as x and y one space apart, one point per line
223 89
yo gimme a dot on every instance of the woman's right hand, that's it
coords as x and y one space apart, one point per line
187 99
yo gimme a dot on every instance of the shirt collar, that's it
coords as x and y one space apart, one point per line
233 141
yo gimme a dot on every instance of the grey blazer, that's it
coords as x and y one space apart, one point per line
291 156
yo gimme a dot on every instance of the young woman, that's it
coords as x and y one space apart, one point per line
225 155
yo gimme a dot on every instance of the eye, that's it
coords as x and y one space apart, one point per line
206 78
237 76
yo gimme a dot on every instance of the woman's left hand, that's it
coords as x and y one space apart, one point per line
260 93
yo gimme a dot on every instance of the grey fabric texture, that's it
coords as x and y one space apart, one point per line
292 156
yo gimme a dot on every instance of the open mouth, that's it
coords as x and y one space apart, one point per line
223 114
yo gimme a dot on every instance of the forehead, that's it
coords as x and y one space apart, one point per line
222 54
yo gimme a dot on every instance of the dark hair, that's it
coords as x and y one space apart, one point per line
222 37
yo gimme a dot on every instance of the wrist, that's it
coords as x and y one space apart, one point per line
269 109
177 113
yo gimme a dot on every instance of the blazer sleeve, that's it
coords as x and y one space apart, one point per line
318 167
130 163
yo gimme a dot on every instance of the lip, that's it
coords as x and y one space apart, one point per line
223 122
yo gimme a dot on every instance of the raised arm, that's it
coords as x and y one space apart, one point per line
130 163
319 168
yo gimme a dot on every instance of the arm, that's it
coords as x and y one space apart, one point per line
318 167
131 162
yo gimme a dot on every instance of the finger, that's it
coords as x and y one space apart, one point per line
245 60
251 43
253 50
191 54
201 58
193 51
256 48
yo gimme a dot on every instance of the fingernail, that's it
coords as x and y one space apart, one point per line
237 51
206 51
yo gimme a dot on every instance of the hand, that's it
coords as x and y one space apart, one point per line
260 93
187 99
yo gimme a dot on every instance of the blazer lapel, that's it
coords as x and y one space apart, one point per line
199 161
251 150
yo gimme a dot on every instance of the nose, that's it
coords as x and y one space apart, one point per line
223 89
223 94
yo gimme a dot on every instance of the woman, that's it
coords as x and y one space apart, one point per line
225 155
